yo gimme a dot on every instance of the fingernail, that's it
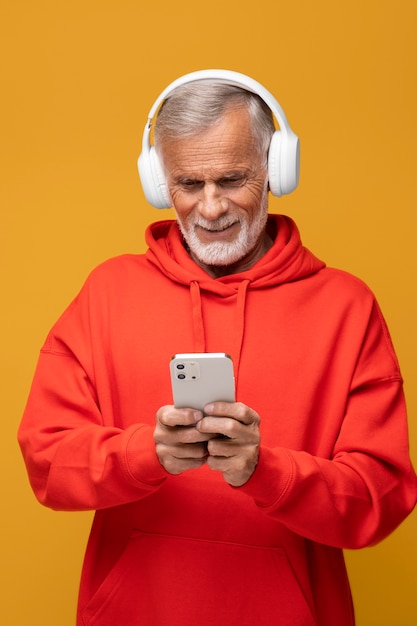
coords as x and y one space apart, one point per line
197 416
209 408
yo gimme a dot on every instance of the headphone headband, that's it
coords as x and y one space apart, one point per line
283 159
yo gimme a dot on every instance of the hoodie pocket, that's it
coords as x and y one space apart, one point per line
161 580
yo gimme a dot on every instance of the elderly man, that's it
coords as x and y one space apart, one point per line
237 514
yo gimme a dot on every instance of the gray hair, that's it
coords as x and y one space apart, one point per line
195 107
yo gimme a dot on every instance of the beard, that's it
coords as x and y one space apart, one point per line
223 253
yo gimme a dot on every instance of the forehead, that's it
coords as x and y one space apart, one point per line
229 144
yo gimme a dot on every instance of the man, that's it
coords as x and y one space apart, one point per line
238 514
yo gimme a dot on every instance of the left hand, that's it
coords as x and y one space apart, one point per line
236 453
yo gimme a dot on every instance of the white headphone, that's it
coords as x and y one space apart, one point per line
283 155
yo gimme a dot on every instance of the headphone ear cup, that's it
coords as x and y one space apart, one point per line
274 164
153 179
290 162
283 163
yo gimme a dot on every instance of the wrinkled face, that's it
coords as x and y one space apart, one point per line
219 185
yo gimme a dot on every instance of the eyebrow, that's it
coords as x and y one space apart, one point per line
223 177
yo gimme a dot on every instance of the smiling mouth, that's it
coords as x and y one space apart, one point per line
216 231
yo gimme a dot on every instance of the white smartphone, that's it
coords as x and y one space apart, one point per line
200 378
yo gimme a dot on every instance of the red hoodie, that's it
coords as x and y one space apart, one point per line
312 356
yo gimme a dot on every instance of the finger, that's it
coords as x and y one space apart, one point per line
177 464
230 429
184 452
235 410
171 416
236 470
219 426
179 435
227 448
222 448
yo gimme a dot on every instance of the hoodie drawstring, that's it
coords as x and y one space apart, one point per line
197 315
238 326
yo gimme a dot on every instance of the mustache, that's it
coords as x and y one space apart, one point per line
219 224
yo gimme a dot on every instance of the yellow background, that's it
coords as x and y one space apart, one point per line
77 81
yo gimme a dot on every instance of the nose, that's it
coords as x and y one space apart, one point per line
212 203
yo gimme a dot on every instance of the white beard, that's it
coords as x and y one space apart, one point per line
223 253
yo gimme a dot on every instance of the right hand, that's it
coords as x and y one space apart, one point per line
179 445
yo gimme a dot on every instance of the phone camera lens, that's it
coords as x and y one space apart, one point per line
181 376
180 366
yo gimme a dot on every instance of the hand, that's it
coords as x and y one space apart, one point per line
179 445
236 452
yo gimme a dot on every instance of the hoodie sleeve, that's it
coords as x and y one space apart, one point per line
78 452
368 486
74 461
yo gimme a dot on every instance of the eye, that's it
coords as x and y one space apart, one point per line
190 184
234 180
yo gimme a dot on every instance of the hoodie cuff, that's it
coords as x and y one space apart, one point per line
271 479
141 460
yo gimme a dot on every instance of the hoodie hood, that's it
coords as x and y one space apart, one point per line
286 261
